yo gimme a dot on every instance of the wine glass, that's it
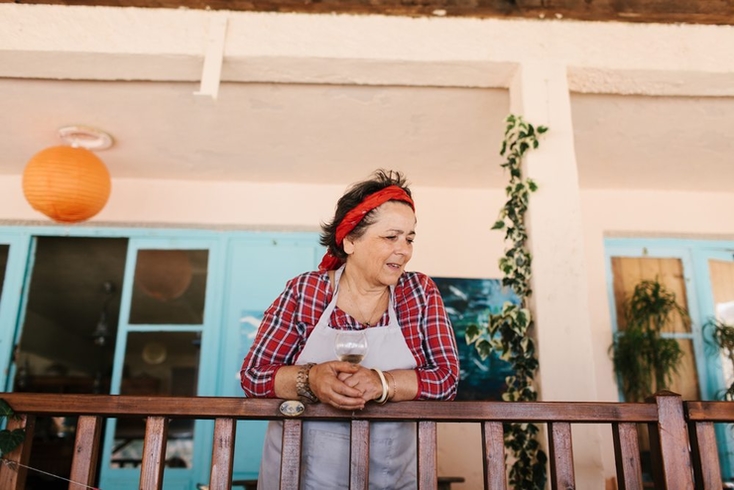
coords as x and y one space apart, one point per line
350 345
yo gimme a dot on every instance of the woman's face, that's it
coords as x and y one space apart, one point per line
379 256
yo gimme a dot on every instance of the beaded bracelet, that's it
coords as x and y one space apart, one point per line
302 387
385 389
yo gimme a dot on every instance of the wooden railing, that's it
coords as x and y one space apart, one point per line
677 463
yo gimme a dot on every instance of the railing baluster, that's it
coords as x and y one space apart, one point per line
561 456
12 477
154 453
359 464
427 456
290 463
222 454
627 455
703 442
493 449
86 452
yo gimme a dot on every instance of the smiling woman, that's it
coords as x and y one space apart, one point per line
411 352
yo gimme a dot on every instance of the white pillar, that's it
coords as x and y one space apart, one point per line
539 93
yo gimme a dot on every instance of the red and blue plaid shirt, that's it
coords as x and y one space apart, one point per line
289 321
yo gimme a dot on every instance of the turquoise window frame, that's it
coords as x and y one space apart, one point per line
694 255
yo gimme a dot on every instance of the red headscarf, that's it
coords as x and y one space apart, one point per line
356 214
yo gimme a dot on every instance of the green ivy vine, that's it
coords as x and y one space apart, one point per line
508 331
9 439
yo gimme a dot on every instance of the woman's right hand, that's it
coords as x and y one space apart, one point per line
324 380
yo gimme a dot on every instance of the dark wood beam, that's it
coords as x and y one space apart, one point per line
661 11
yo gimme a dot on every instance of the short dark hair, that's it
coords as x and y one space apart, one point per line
354 195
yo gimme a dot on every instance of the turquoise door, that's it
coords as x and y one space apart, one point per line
168 330
189 305
257 270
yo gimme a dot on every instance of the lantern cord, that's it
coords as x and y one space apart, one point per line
14 464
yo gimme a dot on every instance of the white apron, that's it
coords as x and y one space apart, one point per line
325 448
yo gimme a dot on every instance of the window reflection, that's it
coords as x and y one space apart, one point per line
158 364
170 287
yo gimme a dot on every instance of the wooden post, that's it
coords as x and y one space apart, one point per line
669 445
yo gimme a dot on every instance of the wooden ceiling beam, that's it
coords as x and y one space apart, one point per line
720 12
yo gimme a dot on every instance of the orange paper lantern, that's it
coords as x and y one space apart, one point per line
66 184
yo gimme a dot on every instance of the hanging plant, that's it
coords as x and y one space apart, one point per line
9 439
509 331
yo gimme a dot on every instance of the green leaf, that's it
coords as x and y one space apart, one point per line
5 410
542 129
498 225
472 333
9 440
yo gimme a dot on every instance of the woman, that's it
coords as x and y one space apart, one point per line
361 285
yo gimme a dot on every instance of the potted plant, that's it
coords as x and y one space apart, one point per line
644 360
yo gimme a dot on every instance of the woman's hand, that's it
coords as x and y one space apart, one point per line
365 380
327 382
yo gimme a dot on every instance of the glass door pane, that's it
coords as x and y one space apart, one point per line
158 364
170 287
627 273
67 341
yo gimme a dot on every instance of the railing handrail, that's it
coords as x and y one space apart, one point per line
267 409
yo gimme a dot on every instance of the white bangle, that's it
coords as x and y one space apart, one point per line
385 388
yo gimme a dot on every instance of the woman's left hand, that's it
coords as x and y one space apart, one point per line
365 380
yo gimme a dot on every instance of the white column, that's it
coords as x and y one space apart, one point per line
539 93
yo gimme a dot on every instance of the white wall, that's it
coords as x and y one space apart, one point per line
453 232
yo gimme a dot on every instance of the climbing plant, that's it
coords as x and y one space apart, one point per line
9 439
508 332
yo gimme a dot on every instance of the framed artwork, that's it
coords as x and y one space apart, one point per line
471 301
